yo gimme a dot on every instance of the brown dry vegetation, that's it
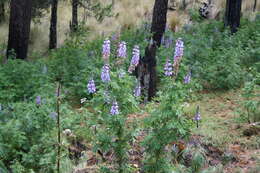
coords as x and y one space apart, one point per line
130 13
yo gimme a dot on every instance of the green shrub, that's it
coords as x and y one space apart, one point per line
20 80
165 125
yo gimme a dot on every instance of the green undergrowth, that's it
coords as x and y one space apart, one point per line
218 61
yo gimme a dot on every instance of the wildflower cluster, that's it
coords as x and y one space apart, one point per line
197 116
187 78
114 109
137 90
106 49
91 86
38 100
135 59
179 47
121 52
105 76
168 68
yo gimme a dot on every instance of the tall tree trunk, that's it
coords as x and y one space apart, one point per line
233 13
254 8
2 11
148 63
74 23
53 25
19 28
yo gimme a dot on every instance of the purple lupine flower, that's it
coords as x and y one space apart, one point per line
168 42
91 86
179 47
115 37
106 49
53 115
121 52
114 109
197 116
137 91
105 76
121 73
187 78
38 100
135 59
168 68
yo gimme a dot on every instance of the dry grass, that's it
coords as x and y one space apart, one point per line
130 13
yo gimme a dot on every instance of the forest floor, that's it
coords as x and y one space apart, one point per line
223 130
221 135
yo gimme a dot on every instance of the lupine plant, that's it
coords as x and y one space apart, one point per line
106 50
135 59
187 78
121 52
168 68
178 54
91 87
251 104
165 125
113 101
105 74
197 116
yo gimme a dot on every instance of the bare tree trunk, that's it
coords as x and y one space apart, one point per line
2 11
19 28
53 25
233 13
74 23
254 8
148 73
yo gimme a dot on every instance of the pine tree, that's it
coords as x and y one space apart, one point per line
2 10
233 14
19 28
53 25
148 64
74 22
255 3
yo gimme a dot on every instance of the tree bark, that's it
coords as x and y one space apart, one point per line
74 23
53 25
19 28
148 74
233 14
2 11
254 8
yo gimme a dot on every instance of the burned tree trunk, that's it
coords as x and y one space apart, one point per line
74 22
19 28
233 13
53 25
148 63
2 11
255 3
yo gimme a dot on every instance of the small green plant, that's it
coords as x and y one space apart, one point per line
251 103
112 103
20 80
165 125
